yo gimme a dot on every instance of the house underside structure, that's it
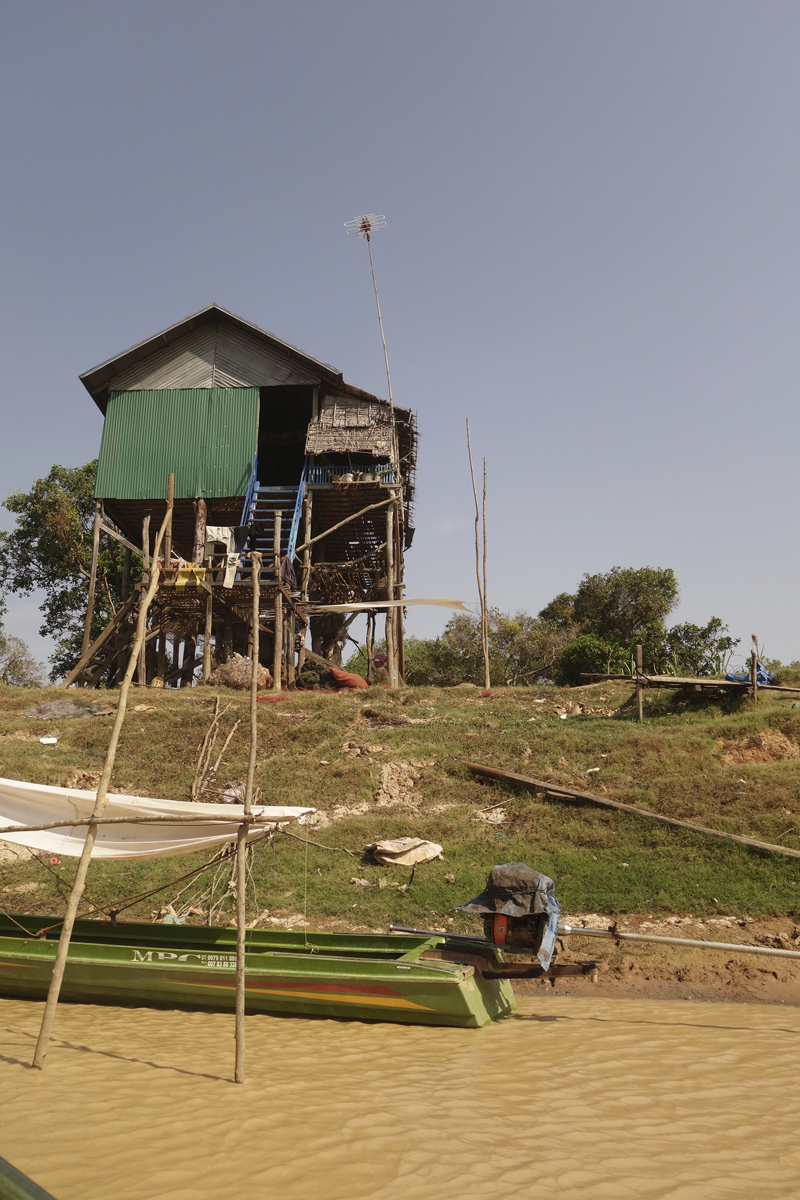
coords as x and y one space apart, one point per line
268 450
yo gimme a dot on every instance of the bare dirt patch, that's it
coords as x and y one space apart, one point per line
769 746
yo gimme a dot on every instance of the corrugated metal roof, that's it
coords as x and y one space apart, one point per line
205 436
101 378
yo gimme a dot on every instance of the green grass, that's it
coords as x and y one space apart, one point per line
670 764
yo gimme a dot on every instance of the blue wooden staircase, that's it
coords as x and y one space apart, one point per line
260 506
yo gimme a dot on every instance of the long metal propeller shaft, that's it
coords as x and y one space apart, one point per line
617 935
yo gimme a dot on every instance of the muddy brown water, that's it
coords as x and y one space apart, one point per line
571 1097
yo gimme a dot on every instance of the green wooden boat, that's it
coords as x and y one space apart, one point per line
410 978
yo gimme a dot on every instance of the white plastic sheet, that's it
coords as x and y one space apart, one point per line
37 804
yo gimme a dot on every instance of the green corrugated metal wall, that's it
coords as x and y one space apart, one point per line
206 436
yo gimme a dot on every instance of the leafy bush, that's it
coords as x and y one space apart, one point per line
590 653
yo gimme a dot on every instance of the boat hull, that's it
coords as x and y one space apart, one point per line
350 976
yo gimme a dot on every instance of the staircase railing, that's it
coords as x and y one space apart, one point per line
298 509
252 488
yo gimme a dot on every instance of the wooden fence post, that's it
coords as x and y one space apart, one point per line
754 674
639 682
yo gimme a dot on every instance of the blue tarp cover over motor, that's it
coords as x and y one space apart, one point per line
763 677
516 890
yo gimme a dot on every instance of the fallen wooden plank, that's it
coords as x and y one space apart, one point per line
559 793
679 681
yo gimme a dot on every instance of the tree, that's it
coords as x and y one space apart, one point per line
51 549
17 664
693 650
627 605
560 611
522 650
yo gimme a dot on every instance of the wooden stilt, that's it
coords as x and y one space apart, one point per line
227 639
241 841
390 654
486 678
168 534
91 833
199 547
398 594
754 674
207 637
87 628
189 654
161 663
639 698
305 577
290 639
481 589
277 657
370 647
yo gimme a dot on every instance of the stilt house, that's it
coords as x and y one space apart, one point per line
270 450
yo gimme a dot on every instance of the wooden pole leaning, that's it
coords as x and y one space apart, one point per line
87 628
639 698
99 806
168 534
305 576
277 657
241 841
481 593
141 675
391 665
207 637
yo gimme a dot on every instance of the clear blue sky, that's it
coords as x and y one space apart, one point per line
592 252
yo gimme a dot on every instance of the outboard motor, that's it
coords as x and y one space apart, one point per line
519 910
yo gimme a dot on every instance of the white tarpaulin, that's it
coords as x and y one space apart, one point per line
36 804
459 605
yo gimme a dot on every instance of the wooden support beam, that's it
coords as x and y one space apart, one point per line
277 656
390 652
87 628
168 534
199 546
207 637
362 512
122 612
305 575
123 541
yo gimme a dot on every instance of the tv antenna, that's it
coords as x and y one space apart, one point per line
363 227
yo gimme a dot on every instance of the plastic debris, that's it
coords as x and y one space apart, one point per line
48 741
405 852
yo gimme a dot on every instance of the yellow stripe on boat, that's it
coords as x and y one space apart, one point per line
383 1001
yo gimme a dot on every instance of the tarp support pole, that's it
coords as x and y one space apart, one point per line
241 841
99 805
